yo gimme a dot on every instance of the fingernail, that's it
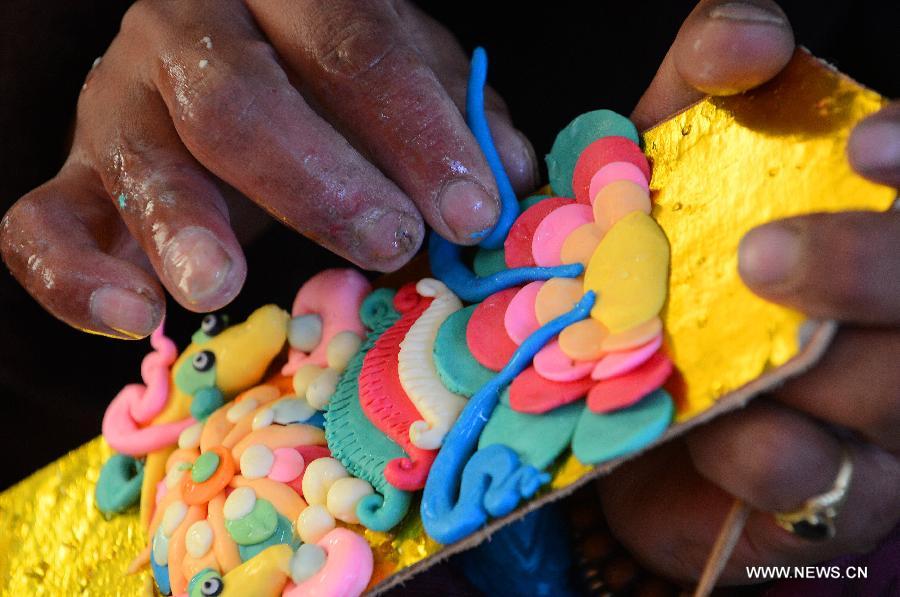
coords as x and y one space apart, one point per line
196 263
874 145
389 234
769 255
468 210
746 12
124 311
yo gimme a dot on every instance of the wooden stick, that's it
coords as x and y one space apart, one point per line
724 545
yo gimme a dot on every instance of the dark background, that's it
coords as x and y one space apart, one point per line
55 382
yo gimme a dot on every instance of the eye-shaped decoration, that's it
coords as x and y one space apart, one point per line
203 361
213 324
212 586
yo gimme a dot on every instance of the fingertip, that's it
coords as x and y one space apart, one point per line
768 255
388 239
468 210
727 47
203 270
125 313
874 146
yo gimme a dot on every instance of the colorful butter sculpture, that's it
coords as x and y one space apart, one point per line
321 452
241 488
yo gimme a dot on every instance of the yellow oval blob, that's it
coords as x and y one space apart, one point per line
629 271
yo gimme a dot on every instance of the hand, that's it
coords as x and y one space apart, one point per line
340 118
668 505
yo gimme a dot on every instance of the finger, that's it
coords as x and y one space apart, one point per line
775 459
855 385
66 245
843 266
668 514
237 113
723 47
874 146
359 64
167 200
442 52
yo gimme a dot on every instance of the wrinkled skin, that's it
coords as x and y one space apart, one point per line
667 506
340 118
283 112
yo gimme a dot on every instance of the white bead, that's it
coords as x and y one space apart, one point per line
172 517
320 390
256 461
305 376
343 496
292 410
305 332
314 523
320 474
239 409
160 548
306 561
198 539
263 418
239 503
341 349
190 437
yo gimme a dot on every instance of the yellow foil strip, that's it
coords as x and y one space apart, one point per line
719 168
723 167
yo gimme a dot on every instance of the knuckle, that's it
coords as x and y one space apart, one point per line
220 114
144 16
353 43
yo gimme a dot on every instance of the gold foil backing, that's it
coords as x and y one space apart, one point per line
724 166
720 168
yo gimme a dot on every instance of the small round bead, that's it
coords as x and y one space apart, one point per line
314 523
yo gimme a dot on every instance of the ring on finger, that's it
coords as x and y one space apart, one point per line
814 520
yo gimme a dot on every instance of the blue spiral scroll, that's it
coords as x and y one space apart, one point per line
447 266
477 121
465 486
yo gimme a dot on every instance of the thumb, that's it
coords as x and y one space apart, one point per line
723 47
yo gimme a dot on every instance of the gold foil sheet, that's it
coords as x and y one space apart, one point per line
720 168
724 166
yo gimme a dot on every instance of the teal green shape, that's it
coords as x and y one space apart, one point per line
577 135
488 262
354 440
537 439
457 368
600 437
195 586
284 533
121 200
204 467
205 402
119 485
189 380
531 201
255 527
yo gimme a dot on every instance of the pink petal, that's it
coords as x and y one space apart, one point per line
552 363
619 363
551 233
520 320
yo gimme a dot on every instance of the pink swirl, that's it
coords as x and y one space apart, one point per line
155 369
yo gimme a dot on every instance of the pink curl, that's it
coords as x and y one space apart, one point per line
138 404
125 436
155 369
347 570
